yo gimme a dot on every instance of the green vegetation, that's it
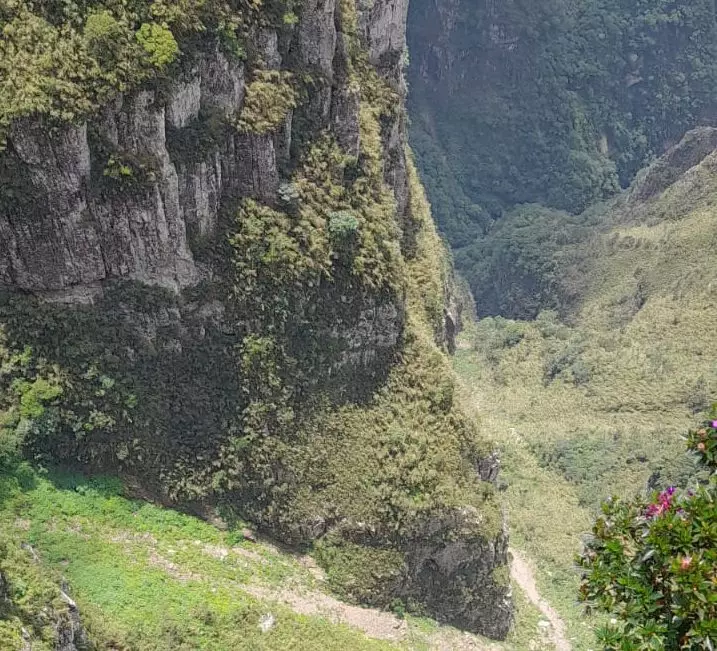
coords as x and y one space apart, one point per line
65 61
553 102
402 477
519 268
343 231
360 573
592 401
158 43
31 604
269 98
144 577
651 563
304 386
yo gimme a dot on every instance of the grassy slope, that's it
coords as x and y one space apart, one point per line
150 578
628 374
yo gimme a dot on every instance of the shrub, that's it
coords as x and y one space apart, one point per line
651 563
27 387
159 43
580 372
125 172
269 98
697 399
398 608
564 359
343 231
117 170
495 334
289 197
103 33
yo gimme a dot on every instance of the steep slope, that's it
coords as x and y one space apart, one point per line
557 102
220 277
595 403
150 578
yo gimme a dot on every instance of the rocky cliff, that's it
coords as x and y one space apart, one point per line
227 283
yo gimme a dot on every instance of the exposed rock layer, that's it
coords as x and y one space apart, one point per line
83 228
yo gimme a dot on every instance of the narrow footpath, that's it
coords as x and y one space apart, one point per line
522 573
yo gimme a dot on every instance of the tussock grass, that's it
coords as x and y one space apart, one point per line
595 404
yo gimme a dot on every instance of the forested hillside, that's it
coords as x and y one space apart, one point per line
555 102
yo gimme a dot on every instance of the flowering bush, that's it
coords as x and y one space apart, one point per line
652 564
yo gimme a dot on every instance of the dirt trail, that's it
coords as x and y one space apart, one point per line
377 624
374 623
522 573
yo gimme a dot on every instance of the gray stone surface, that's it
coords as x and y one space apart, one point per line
382 24
317 35
82 237
452 571
82 234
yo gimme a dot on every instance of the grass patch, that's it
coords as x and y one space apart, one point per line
149 578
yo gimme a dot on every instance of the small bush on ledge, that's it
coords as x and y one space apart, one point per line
343 232
269 98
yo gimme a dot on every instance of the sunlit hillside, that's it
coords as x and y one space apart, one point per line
593 401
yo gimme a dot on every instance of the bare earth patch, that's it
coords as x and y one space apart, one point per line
374 623
522 573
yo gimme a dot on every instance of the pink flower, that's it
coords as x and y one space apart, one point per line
713 424
685 563
654 510
664 502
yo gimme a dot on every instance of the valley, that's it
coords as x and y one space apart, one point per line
358 324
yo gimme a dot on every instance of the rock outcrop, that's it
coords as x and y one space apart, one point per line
447 569
233 272
82 233
55 623
666 170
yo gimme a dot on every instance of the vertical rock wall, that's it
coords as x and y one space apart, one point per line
136 193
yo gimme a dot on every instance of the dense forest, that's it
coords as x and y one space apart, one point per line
555 102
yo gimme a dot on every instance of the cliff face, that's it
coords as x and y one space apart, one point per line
68 229
231 277
84 235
